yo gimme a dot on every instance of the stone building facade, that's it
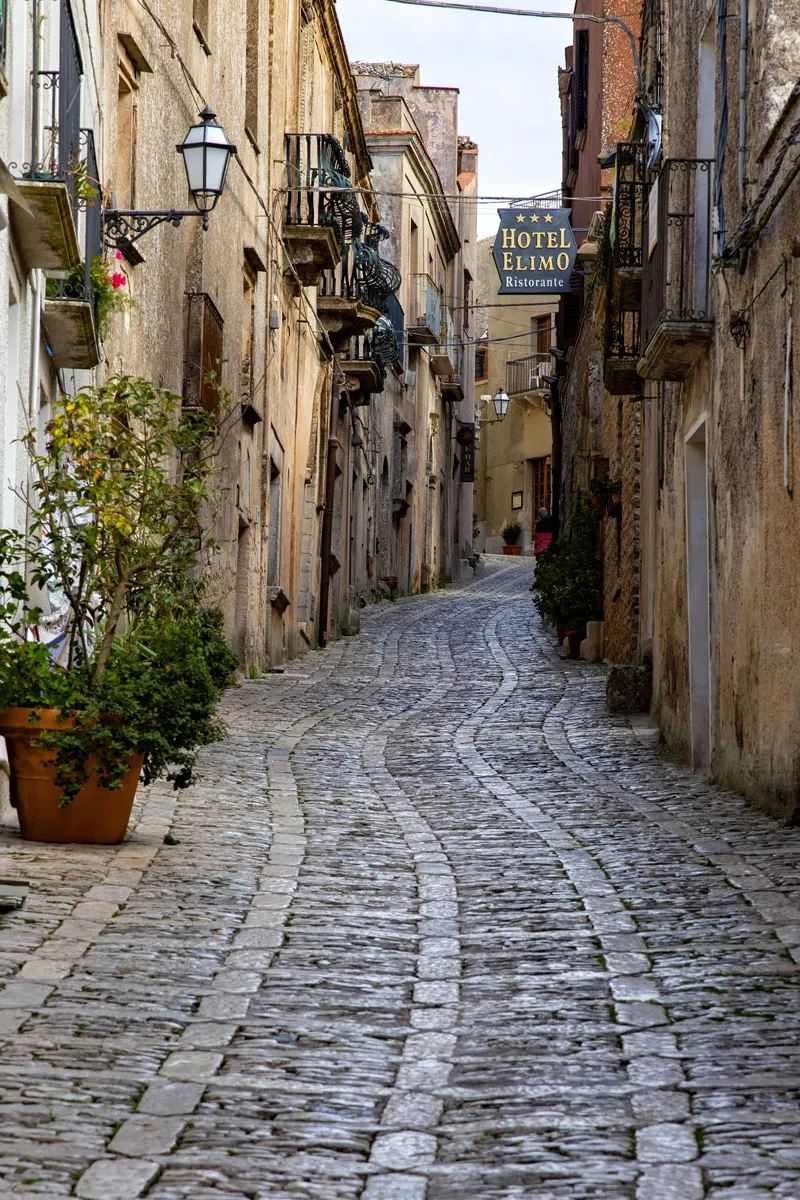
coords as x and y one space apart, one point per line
427 180
514 455
287 314
699 255
599 426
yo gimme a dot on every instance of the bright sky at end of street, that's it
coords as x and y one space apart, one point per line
506 71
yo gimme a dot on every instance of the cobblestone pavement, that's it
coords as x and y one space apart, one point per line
437 928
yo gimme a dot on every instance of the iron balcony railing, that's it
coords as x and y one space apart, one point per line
525 374
316 162
629 200
623 333
362 274
56 109
89 211
426 304
378 345
677 246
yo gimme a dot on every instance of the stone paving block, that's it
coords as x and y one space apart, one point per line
204 1035
143 1135
412 1110
45 968
671 1183
24 995
657 1107
640 1014
191 1064
655 1072
168 1098
223 1007
666 1143
403 1151
436 992
116 1179
237 982
396 1187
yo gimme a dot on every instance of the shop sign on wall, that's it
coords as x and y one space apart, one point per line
534 250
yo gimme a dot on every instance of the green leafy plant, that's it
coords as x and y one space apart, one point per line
109 291
111 541
511 533
568 584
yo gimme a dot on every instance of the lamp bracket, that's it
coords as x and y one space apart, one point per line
124 226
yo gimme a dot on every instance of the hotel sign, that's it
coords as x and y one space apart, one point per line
534 250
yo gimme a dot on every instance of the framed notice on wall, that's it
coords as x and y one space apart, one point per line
516 500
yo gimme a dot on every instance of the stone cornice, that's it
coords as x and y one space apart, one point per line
332 33
409 141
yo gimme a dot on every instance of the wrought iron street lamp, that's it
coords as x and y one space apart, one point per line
501 403
206 155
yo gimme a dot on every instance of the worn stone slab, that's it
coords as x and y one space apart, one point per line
666 1143
143 1135
191 1064
116 1179
403 1151
167 1098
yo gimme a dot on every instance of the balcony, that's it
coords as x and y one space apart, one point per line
315 220
425 315
52 180
441 355
525 377
452 385
353 296
624 289
622 347
367 359
676 322
69 307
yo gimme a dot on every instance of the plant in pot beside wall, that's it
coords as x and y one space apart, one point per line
511 533
109 666
568 582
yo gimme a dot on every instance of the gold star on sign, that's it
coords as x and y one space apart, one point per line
534 220
520 218
548 219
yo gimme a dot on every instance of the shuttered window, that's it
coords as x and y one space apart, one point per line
203 361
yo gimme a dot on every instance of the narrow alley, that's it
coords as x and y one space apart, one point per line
433 927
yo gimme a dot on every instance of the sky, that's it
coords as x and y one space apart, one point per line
505 68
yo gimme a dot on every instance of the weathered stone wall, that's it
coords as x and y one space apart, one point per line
746 396
621 553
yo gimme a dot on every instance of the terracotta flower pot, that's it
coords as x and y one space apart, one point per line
97 815
561 633
512 549
574 638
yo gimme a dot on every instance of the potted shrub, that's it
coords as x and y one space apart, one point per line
568 582
511 533
109 666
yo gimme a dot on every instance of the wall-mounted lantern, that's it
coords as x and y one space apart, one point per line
206 155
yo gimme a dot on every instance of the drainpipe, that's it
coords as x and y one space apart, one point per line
327 519
742 101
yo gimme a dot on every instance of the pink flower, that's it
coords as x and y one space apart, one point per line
118 256
118 280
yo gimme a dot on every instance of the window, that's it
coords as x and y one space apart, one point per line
125 172
203 361
251 92
200 15
541 334
481 363
542 484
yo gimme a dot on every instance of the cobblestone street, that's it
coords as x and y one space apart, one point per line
436 928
